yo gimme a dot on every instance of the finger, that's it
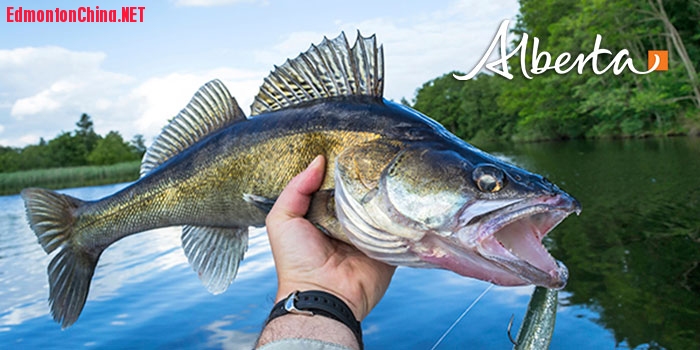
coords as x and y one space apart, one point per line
309 180
295 198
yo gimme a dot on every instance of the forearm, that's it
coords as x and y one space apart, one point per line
317 327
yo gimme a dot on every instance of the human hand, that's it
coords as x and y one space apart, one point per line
306 259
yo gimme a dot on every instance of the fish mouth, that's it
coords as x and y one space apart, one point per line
512 238
504 246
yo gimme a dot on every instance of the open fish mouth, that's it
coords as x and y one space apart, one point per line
512 238
504 246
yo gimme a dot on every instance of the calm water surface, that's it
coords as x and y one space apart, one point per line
633 256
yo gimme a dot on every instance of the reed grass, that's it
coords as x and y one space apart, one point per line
13 183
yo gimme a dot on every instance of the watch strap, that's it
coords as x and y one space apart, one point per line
318 303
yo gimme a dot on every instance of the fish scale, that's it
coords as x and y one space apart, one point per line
398 186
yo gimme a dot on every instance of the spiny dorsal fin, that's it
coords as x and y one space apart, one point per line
330 69
210 109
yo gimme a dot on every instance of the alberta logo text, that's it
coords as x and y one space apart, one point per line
542 60
129 14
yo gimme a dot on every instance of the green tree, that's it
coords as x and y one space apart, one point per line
466 108
37 157
65 150
572 105
9 159
111 150
81 147
440 99
481 118
85 133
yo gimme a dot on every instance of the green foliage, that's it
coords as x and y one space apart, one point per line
35 156
608 105
67 150
85 135
111 150
72 149
441 98
9 159
468 109
572 105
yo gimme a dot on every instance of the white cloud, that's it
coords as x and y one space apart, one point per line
43 90
161 98
415 49
45 101
20 140
46 90
291 46
433 44
48 64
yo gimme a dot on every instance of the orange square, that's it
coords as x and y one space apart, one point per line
662 57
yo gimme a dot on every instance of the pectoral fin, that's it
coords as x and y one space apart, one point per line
263 203
215 253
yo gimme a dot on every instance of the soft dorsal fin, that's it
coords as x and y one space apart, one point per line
210 109
330 69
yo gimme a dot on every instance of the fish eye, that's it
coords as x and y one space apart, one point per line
488 178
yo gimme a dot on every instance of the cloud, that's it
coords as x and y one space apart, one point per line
46 89
47 64
418 48
161 98
433 44
39 79
43 90
45 101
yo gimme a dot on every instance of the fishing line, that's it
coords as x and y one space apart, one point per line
461 317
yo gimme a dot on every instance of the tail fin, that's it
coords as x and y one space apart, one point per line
52 215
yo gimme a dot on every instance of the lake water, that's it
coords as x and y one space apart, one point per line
633 257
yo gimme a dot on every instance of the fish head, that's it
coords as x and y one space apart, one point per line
451 206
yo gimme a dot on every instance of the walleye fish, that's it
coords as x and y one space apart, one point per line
398 186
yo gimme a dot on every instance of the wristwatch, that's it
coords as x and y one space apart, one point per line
316 302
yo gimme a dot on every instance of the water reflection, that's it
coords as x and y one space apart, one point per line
22 275
223 338
634 253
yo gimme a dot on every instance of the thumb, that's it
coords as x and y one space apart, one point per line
295 198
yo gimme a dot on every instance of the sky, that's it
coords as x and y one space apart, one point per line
133 77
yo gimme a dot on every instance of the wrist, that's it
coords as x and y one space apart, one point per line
319 328
314 303
284 290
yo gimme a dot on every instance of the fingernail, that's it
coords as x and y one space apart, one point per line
316 162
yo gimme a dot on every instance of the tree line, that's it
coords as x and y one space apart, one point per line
572 105
83 146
